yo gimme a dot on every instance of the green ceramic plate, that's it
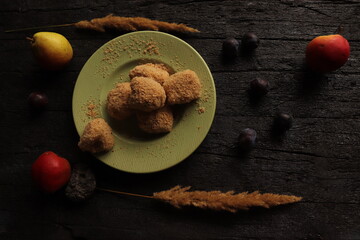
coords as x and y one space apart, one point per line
134 151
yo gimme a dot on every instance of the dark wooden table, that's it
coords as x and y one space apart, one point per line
317 159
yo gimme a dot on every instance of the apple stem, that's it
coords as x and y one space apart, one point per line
34 28
340 29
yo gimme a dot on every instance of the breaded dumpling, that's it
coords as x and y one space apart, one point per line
117 104
156 71
97 137
146 94
182 87
158 121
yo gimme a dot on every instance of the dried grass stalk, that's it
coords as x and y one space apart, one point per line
131 24
226 201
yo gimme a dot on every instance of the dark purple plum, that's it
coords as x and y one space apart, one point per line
230 47
259 87
249 42
247 139
283 122
38 100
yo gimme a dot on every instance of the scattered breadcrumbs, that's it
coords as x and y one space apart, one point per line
177 64
140 46
133 48
121 77
92 113
103 71
151 48
205 95
200 110
91 110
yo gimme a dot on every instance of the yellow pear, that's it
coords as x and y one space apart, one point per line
52 50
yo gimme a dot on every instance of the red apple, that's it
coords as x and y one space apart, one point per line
50 172
327 53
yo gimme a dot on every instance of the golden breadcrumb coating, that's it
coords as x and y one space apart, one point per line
158 121
97 137
182 87
146 94
117 104
158 72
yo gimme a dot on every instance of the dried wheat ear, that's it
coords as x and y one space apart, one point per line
127 24
131 24
222 201
216 200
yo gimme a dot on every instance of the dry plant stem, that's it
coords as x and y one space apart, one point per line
216 200
124 193
121 24
226 201
40 27
131 24
29 39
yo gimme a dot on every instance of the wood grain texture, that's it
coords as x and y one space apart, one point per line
317 159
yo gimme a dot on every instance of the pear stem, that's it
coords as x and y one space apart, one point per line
34 28
124 193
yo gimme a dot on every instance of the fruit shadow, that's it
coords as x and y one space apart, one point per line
41 80
247 54
34 114
239 153
225 60
310 82
255 100
277 135
243 55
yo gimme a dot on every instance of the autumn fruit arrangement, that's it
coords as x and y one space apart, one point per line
149 95
323 54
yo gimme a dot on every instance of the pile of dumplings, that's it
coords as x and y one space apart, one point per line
150 95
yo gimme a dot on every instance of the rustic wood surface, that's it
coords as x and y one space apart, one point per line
319 158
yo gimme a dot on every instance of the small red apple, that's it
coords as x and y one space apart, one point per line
50 172
327 53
